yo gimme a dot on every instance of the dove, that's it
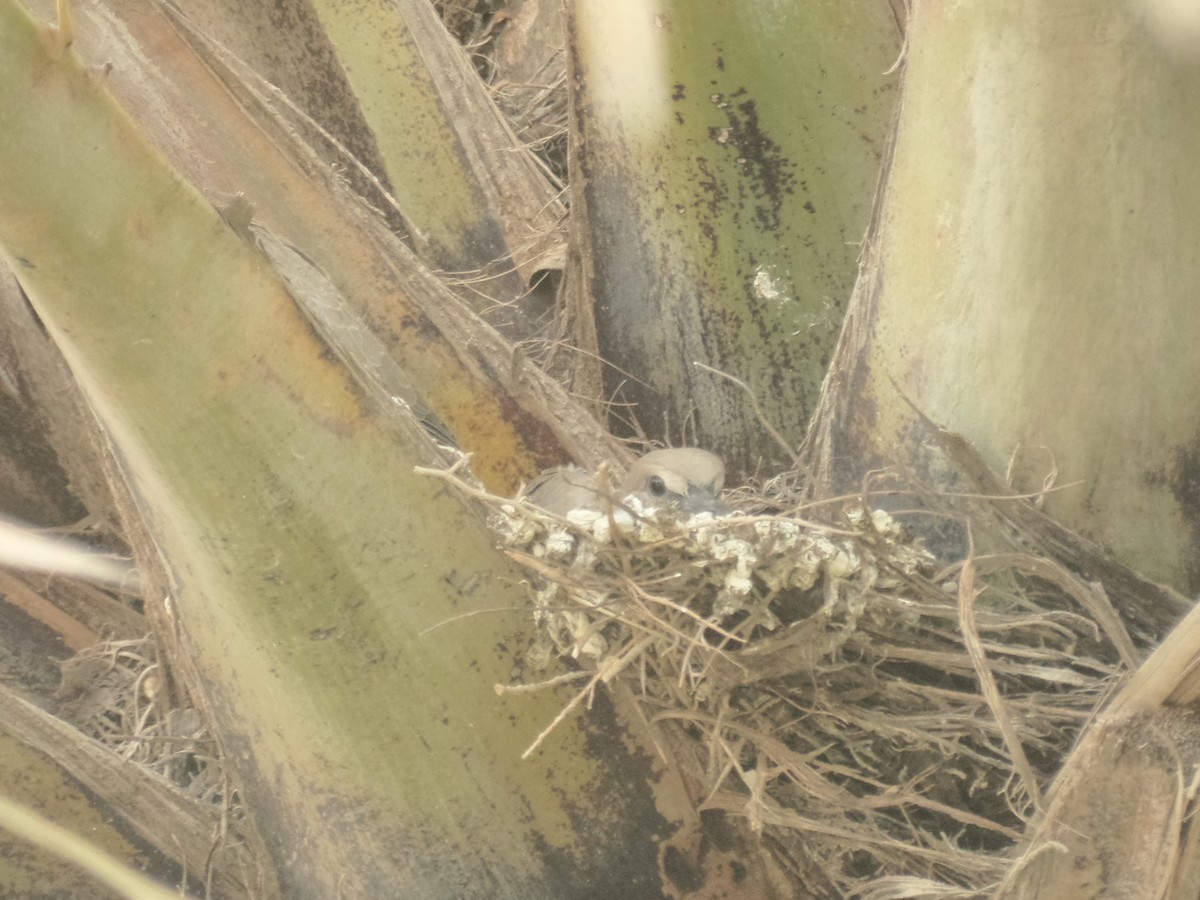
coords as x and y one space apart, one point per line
686 478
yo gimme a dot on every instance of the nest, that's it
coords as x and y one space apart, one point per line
889 717
113 692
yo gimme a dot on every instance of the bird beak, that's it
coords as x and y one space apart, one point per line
699 500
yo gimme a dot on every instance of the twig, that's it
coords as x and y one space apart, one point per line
759 414
987 681
608 670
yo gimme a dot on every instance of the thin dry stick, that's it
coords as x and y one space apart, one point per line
698 642
470 615
987 682
1090 596
774 815
759 414
803 771
635 590
566 678
608 670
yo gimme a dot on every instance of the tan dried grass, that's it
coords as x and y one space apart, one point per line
894 717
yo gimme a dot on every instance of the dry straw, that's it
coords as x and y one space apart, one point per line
113 692
892 718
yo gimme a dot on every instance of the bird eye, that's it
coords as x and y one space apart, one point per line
657 486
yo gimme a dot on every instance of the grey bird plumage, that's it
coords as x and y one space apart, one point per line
686 478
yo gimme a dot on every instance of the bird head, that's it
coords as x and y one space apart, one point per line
687 478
